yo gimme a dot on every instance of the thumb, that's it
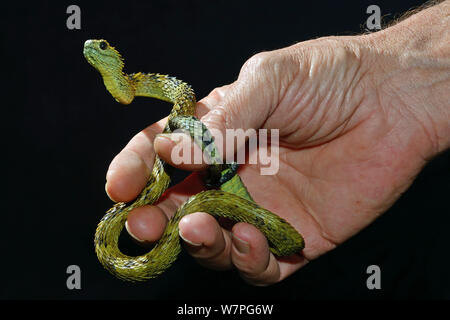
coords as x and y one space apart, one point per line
242 106
245 104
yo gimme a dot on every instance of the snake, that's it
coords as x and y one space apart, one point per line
225 193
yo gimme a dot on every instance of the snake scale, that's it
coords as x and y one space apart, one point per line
227 196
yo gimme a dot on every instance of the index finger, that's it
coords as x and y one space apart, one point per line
129 171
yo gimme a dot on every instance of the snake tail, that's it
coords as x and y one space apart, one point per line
283 239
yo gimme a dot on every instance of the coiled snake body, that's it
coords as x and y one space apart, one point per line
231 200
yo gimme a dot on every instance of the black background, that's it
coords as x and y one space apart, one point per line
62 128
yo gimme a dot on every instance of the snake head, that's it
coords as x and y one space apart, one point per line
108 61
102 56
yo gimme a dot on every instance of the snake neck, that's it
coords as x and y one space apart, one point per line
119 85
167 88
124 87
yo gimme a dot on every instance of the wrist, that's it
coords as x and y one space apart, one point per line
410 69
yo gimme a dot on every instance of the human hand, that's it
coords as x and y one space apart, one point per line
354 132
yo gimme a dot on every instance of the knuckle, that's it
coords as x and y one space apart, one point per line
219 92
256 63
219 117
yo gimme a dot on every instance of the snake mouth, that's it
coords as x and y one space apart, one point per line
89 51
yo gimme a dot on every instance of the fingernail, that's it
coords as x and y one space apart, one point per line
134 237
241 245
189 241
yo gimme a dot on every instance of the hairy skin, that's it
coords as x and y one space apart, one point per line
359 117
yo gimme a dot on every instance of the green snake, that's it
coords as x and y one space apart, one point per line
227 196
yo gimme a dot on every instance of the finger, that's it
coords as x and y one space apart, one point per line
245 104
214 98
146 224
129 171
180 151
206 241
251 256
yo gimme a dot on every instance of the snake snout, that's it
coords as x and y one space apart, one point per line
88 44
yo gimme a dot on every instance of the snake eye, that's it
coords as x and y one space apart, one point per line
103 45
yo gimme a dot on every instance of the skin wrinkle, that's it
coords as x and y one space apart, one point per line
349 89
257 67
408 112
324 114
323 99
354 82
271 78
431 130
284 88
297 112
296 76
285 82
303 97
426 132
311 122
342 127
232 114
